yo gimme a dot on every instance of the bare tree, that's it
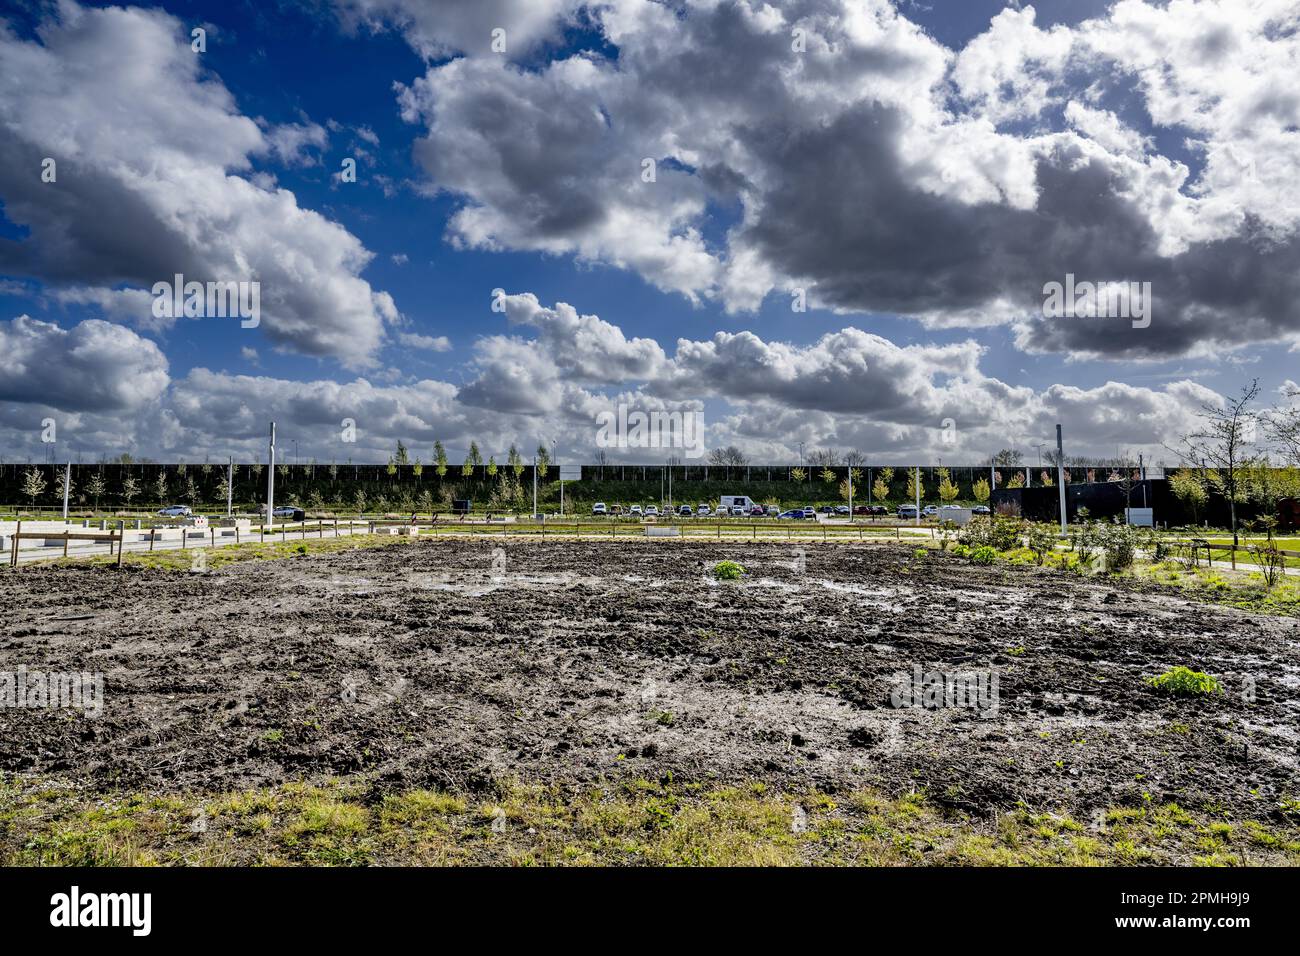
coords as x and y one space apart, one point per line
731 455
822 457
1129 478
1283 425
1009 458
1222 443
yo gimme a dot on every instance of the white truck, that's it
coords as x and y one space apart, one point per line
735 501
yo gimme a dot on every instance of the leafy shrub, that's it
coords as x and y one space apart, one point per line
960 550
727 570
983 555
1120 542
1000 534
947 532
1184 682
1041 540
1270 561
1083 542
920 553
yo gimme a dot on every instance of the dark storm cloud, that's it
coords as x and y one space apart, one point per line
84 228
844 218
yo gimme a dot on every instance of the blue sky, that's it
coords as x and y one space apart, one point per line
1071 138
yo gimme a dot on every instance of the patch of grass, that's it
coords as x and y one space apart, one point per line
1243 589
639 822
983 555
727 570
1182 681
181 560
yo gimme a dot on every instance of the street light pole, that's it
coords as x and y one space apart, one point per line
270 484
1060 474
917 486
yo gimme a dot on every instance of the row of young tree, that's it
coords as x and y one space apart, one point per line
1235 453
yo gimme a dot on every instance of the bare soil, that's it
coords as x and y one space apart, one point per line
459 664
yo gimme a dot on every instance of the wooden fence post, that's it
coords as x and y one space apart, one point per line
121 541
13 559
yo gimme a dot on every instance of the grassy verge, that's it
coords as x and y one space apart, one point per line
1241 589
182 559
641 823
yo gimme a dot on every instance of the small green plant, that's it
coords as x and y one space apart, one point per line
727 570
983 555
919 553
1184 682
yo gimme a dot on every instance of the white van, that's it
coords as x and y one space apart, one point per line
736 501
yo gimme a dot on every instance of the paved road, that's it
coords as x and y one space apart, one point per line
84 549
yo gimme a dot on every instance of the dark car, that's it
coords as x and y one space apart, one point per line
981 510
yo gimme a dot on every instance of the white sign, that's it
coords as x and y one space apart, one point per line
570 473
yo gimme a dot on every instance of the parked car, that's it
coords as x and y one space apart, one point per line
684 511
772 511
826 510
652 511
907 511
615 510
797 513
174 511
704 511
842 510
599 508
634 511
810 512
284 511
930 511
757 511
737 511
981 510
